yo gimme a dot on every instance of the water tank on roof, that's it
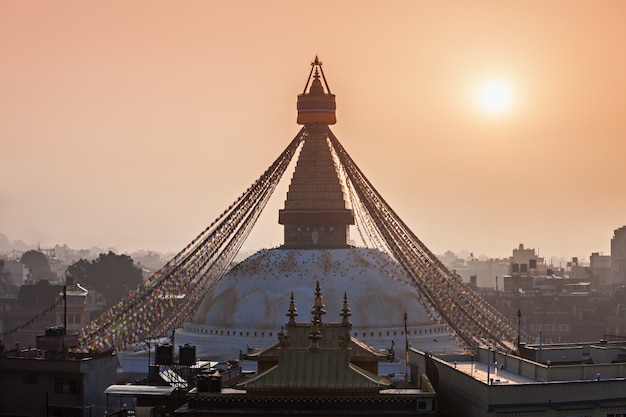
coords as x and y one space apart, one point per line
165 354
153 373
187 355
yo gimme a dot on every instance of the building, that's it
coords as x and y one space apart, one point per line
315 368
618 257
142 400
34 312
8 303
600 270
49 380
525 259
547 380
75 312
43 305
13 272
553 309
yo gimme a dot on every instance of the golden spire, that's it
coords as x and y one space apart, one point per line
293 311
345 312
318 311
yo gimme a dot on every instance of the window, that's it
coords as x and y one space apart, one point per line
74 299
550 327
535 327
564 327
31 379
65 386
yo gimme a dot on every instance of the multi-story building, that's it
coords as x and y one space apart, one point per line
618 257
33 313
553 308
483 273
42 305
50 381
525 259
546 380
76 313
8 301
13 272
600 270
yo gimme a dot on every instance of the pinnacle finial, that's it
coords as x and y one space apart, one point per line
319 308
345 312
344 340
293 311
318 311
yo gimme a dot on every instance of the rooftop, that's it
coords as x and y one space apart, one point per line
540 364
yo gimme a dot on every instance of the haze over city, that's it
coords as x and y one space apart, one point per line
483 124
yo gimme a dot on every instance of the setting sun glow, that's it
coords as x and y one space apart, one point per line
495 96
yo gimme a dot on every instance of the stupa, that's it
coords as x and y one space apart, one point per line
244 310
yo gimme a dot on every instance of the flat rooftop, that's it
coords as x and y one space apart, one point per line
568 364
479 371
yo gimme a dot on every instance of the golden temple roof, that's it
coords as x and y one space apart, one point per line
322 370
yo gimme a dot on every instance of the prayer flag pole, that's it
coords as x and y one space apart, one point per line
406 350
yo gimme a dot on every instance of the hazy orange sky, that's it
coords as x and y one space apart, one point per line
134 124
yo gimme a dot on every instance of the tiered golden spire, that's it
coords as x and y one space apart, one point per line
293 311
316 213
319 309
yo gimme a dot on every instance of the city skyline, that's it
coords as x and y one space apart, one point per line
135 125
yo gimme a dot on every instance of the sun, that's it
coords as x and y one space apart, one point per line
495 96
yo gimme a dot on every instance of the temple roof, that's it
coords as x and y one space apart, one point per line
323 370
298 338
317 356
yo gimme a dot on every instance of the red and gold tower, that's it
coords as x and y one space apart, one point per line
316 214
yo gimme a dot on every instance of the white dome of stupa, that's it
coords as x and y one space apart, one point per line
248 305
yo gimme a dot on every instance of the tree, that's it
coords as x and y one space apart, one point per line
110 274
38 264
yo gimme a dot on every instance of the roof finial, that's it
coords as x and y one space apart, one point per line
318 311
345 312
293 311
345 339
